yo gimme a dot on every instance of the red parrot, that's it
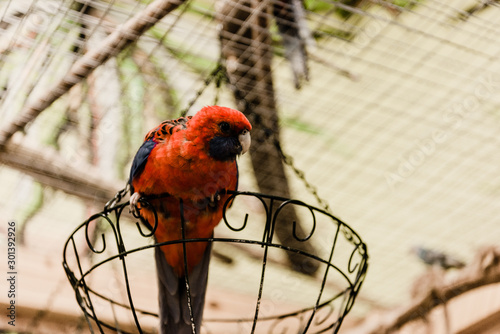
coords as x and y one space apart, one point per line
192 159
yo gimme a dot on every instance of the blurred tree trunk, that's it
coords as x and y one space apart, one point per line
247 52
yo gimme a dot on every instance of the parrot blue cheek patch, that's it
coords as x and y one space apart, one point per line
224 148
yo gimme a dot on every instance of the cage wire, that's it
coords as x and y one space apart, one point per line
344 262
397 125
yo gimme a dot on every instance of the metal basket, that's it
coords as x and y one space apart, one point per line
340 257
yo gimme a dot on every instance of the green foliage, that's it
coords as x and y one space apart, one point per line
406 3
180 51
29 209
300 125
133 88
318 5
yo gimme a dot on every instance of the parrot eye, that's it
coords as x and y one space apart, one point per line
225 127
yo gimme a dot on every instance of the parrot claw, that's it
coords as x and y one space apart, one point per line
134 199
214 199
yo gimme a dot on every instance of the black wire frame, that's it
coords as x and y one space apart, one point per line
318 318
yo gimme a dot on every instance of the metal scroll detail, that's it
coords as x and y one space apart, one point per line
342 256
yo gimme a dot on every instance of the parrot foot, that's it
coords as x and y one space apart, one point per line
134 199
214 199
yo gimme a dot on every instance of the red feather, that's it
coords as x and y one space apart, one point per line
181 165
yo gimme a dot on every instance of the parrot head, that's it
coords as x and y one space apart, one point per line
224 132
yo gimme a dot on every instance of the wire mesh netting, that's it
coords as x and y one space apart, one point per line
396 126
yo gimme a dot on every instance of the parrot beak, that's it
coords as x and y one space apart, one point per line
245 140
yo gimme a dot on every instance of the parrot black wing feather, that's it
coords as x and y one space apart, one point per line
140 159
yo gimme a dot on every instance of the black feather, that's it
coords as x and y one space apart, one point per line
140 159
172 292
224 148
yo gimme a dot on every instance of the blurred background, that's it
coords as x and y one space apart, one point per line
384 113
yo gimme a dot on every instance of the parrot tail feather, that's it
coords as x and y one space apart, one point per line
175 309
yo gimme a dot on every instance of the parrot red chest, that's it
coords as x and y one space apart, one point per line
188 175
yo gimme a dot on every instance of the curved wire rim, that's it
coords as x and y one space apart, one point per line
79 285
349 290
